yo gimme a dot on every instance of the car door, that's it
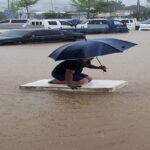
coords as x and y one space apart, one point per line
65 24
118 26
53 35
36 36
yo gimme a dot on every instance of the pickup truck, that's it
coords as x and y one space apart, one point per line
131 23
100 26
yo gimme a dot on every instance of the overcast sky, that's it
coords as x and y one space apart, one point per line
132 2
64 4
126 2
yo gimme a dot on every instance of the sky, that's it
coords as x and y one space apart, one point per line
64 4
133 2
126 2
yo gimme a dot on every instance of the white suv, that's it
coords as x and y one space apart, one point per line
48 24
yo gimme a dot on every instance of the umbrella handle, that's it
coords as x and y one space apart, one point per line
99 61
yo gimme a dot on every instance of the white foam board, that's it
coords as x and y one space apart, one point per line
93 86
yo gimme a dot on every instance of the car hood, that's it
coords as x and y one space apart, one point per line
144 24
6 37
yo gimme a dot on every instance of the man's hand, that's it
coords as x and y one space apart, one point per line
103 68
74 86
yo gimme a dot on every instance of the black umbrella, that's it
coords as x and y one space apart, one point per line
90 48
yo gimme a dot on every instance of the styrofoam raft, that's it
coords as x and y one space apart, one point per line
93 86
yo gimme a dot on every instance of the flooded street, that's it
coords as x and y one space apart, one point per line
48 120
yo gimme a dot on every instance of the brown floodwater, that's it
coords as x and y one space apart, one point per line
48 120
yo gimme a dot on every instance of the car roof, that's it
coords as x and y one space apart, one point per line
36 30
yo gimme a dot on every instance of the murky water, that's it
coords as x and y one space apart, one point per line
48 120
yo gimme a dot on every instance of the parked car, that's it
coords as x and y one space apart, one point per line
74 22
145 25
101 26
12 23
47 24
131 23
42 35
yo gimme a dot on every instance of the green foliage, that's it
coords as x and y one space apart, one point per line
90 6
116 6
2 16
52 15
25 4
142 15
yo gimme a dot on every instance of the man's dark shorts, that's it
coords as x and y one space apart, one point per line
76 77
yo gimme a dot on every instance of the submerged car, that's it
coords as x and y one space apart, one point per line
145 25
102 26
38 36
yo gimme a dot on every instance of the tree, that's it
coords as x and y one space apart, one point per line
53 15
2 16
26 4
116 5
13 8
89 6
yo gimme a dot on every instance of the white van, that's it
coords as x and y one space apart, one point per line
48 24
131 23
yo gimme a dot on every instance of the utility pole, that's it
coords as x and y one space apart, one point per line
52 4
138 9
8 5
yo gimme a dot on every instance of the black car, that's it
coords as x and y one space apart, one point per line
37 35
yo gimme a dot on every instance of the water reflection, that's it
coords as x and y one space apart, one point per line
79 100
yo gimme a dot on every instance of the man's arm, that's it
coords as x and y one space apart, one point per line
69 76
96 67
69 79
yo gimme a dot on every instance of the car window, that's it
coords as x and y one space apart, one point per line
33 23
104 21
118 23
5 21
52 22
125 21
97 22
18 21
93 22
131 21
65 23
85 21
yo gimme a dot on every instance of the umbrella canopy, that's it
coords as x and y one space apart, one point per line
90 48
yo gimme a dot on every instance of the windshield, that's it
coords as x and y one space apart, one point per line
85 21
14 33
125 21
